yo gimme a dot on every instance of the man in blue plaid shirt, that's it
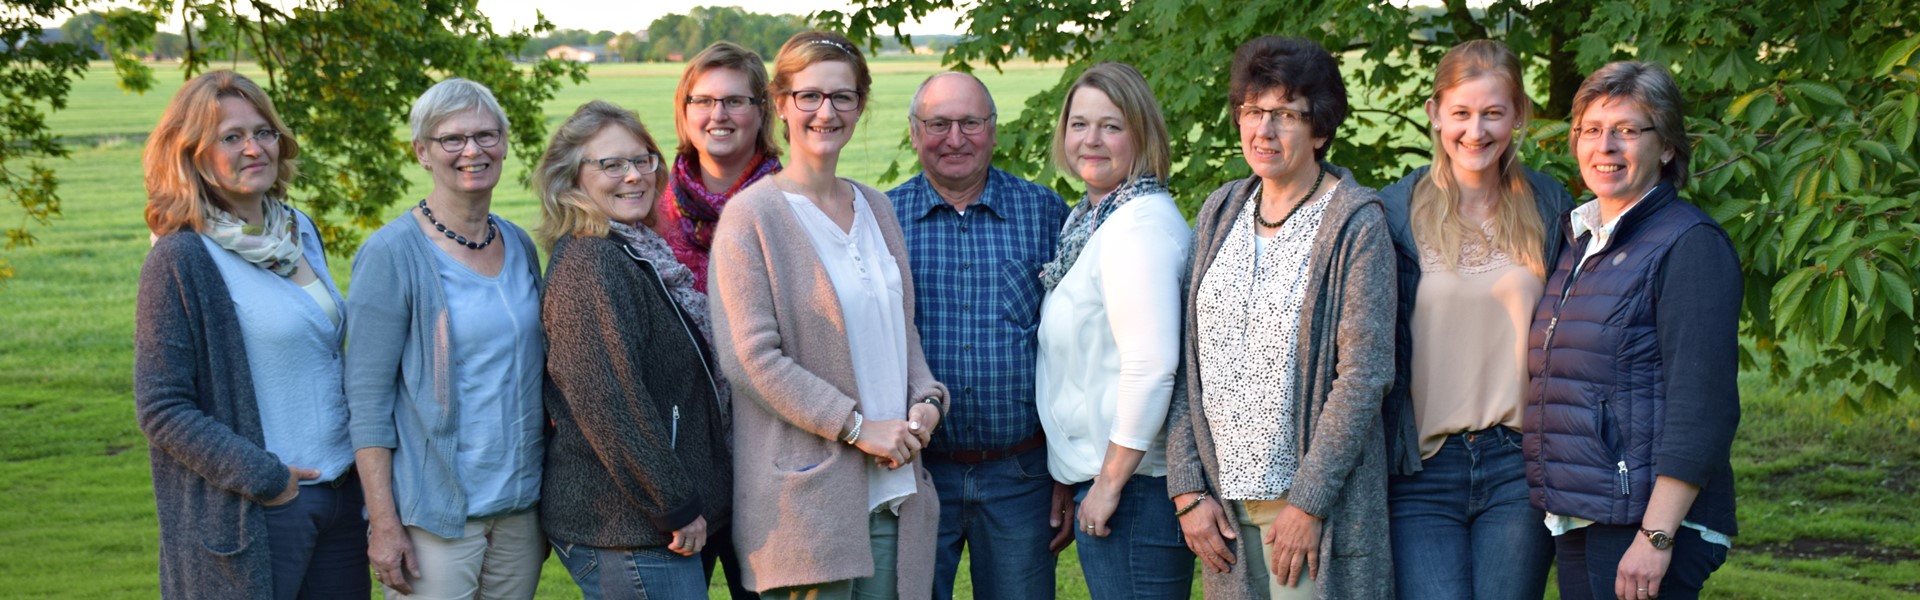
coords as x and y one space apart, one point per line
976 237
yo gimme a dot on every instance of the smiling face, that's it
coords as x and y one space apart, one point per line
471 169
243 171
821 132
1619 171
627 198
720 135
1099 145
1475 123
958 159
1279 152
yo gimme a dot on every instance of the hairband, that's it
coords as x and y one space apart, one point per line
842 47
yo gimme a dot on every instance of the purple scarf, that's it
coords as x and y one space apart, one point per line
699 208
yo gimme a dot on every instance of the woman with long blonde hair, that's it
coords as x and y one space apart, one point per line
1473 248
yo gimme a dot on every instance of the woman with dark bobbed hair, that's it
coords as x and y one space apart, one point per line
237 362
1276 460
1633 403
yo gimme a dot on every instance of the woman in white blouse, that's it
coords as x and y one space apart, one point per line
1110 337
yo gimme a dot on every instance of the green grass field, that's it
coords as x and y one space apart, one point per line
1826 506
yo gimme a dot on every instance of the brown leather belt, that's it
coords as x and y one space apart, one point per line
974 457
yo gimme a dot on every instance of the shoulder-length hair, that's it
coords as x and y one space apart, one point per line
731 56
565 209
179 180
1146 129
1517 227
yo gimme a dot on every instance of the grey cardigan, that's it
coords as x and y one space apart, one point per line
1343 371
799 493
638 449
397 367
193 394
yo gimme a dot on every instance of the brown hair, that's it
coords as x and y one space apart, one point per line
179 185
564 208
808 47
1129 92
1298 68
1649 86
1517 228
725 55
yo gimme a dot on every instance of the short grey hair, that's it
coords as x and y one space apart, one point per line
1649 86
914 109
448 98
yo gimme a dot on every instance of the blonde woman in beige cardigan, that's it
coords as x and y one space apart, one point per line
813 324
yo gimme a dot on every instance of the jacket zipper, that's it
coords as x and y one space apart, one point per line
673 439
1625 489
684 327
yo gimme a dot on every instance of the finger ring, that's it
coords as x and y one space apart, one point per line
1089 528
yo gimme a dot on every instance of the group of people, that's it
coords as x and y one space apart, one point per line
1316 390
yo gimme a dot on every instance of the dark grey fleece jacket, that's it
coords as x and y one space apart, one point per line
638 448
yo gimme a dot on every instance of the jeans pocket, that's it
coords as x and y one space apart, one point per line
1032 465
581 561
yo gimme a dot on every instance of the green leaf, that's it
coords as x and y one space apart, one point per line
1899 291
1762 111
1903 129
1739 105
1834 310
1789 297
1820 92
1896 55
1848 166
1865 280
1877 149
1797 227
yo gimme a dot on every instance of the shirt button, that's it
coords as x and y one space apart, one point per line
966 306
967 390
966 347
966 265
964 228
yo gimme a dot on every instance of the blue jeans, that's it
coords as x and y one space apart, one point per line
1145 556
318 542
652 573
998 510
1590 561
1463 528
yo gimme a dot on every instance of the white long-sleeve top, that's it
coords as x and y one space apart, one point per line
1110 341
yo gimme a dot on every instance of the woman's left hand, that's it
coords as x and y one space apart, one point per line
1294 545
690 540
1098 507
1641 569
921 420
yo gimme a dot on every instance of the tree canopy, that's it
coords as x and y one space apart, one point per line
1802 114
342 74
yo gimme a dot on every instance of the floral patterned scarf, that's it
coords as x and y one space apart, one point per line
273 245
1085 219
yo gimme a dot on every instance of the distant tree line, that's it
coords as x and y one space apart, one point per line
679 36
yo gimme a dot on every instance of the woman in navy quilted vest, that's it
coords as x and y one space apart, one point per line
1633 404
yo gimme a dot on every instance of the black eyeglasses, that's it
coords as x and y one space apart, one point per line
809 100
263 136
1625 133
969 125
616 167
732 104
458 142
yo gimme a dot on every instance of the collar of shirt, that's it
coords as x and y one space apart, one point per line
933 201
1586 218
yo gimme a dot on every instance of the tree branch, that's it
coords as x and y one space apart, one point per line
1736 158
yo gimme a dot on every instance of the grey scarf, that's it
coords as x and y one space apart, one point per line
1086 219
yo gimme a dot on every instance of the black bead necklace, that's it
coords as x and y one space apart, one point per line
492 230
1257 218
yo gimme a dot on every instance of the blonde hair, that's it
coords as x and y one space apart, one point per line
726 55
1145 127
179 183
809 47
565 209
1517 228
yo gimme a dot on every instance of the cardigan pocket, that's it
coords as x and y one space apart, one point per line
219 519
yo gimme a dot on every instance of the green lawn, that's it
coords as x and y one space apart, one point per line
1825 505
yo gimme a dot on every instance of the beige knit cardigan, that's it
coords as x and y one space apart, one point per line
800 494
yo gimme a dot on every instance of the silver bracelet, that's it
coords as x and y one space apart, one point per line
853 435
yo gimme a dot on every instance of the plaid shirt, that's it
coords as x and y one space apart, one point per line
977 289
